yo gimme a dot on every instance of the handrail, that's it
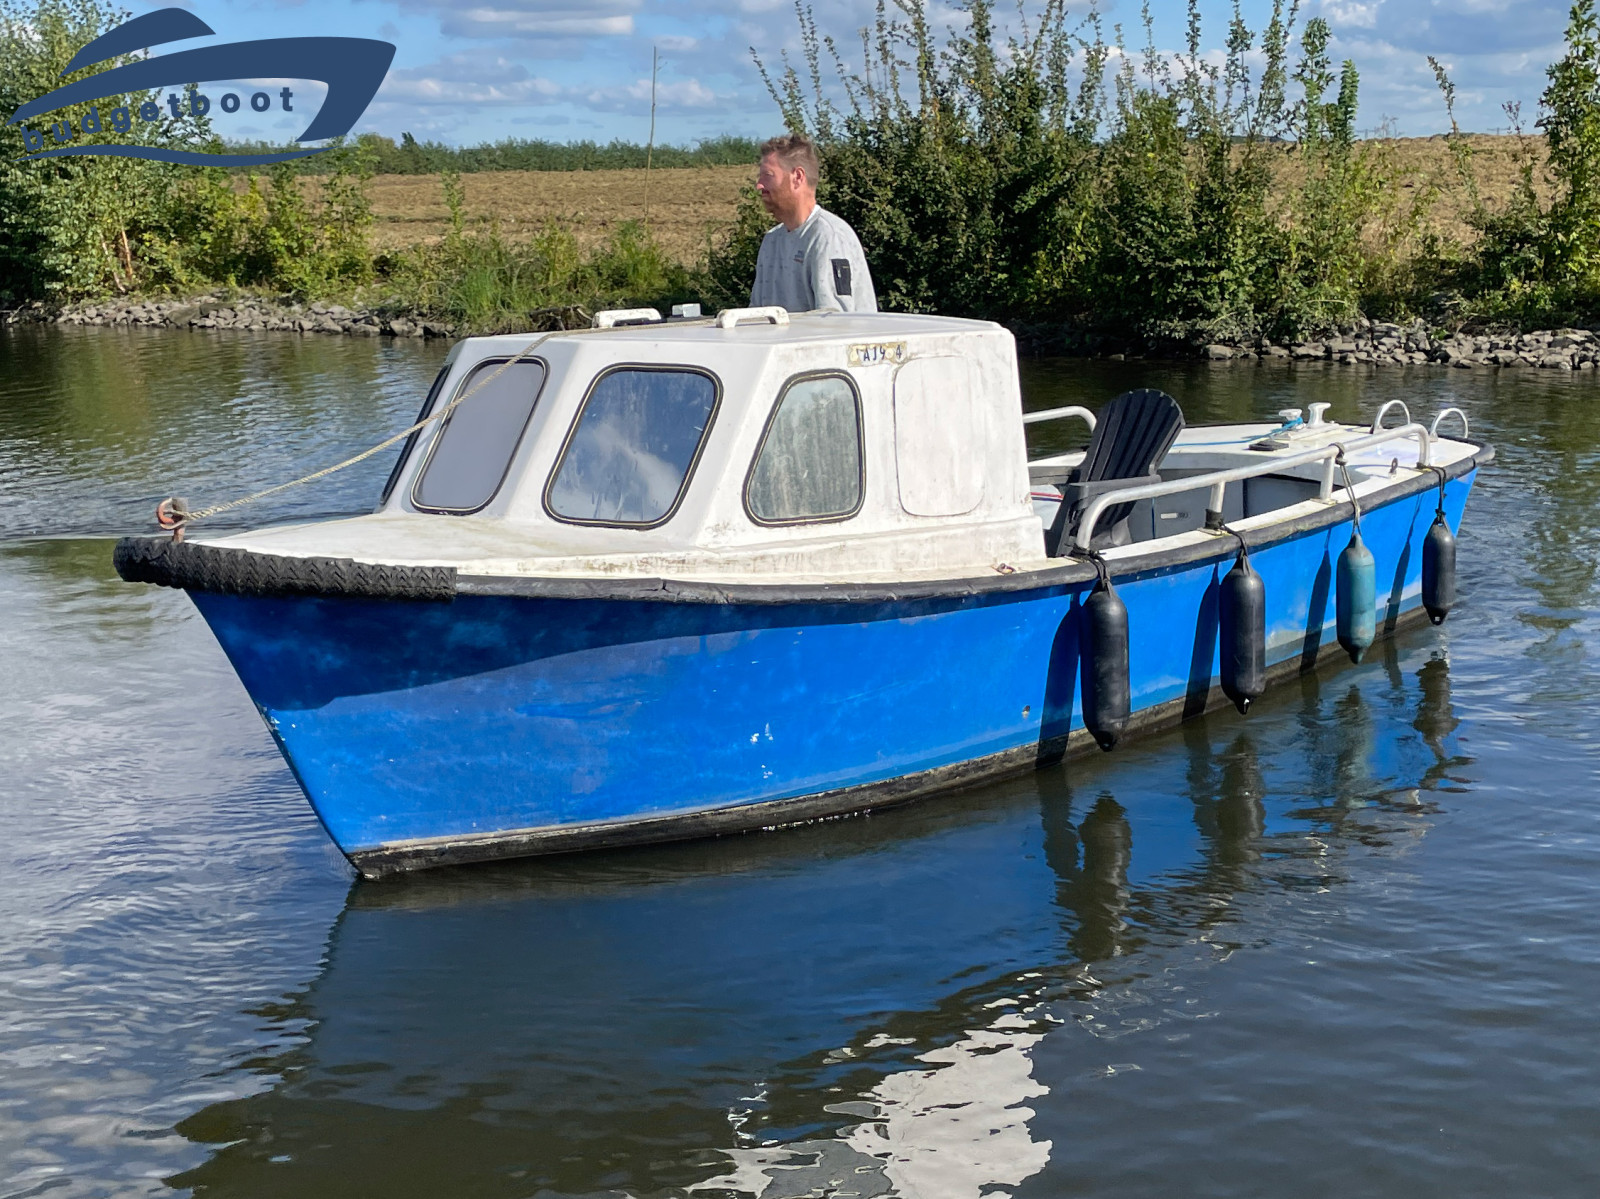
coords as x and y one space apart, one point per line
1377 421
612 317
1083 414
729 317
1433 429
1217 480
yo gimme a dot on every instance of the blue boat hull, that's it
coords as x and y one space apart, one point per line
494 726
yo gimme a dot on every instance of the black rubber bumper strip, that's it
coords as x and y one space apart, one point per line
197 567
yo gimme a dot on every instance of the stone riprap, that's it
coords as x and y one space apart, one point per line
216 312
1375 343
1363 342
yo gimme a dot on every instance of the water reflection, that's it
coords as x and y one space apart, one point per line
851 1008
100 423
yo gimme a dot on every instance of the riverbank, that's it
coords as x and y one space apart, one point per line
217 310
1378 343
1361 343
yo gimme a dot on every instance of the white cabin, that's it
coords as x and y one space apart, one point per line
830 445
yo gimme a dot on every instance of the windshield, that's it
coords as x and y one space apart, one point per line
635 442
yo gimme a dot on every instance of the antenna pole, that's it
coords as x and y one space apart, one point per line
650 148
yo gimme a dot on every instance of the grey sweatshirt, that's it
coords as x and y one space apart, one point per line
818 266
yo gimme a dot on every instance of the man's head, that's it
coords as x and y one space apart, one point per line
787 178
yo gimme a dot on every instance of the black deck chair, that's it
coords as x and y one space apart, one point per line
1131 436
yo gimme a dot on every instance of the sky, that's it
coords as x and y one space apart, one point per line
470 71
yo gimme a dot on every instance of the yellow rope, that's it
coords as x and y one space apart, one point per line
190 517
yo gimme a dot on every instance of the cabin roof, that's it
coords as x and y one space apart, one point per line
802 327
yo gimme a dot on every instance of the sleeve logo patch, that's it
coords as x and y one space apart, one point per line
841 276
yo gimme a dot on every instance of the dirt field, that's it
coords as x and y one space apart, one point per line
684 203
1424 163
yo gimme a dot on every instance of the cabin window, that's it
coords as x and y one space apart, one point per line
472 452
411 442
809 464
630 454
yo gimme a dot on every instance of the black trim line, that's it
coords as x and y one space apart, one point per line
1070 573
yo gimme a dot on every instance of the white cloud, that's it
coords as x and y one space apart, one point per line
1359 14
574 56
687 93
450 91
532 18
469 79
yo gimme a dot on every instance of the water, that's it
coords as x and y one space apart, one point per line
1346 946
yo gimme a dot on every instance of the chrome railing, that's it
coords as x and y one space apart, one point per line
1218 480
1083 414
1466 430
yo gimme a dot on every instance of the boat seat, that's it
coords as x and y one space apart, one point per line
1132 434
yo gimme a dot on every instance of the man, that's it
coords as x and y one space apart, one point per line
811 259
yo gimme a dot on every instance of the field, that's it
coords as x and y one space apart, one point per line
1427 175
684 205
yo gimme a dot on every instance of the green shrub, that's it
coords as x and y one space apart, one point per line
1537 262
74 226
274 238
1018 185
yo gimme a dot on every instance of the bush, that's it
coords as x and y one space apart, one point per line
274 238
1537 262
1017 186
73 226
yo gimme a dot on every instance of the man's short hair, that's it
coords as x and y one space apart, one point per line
794 150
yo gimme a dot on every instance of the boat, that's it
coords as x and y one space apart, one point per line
669 578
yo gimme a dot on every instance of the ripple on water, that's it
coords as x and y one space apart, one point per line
1350 937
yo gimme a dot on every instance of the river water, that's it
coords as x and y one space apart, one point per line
1346 946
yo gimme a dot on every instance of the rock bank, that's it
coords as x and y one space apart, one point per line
1378 344
238 312
1363 342
1360 343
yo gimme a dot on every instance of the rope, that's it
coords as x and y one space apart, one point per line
1101 566
1350 491
1440 471
1244 550
174 514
